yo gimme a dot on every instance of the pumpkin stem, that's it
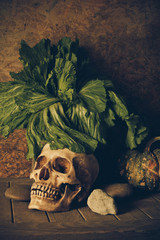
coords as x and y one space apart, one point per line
153 140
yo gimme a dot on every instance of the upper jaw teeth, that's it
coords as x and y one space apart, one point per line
46 191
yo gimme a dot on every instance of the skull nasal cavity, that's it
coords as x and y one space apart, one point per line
44 174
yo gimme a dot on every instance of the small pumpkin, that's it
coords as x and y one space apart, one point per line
142 170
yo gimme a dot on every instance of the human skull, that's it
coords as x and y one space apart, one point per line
61 176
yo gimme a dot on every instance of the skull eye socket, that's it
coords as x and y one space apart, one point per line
40 162
61 165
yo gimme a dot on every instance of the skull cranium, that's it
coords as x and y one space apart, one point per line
61 176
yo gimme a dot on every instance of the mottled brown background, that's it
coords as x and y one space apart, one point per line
121 36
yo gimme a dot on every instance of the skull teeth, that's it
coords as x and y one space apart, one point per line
55 195
46 192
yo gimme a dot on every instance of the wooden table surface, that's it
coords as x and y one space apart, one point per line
137 219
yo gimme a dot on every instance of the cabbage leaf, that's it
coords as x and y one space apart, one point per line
60 100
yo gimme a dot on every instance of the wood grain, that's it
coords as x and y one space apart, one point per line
5 207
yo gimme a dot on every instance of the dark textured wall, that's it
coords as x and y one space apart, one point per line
121 36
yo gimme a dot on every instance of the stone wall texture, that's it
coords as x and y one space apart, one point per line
121 36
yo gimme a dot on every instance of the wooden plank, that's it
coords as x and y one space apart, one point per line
93 231
17 180
127 211
51 217
82 221
132 214
156 196
21 213
89 215
71 216
81 236
5 207
26 181
150 207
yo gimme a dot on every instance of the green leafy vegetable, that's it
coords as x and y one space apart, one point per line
58 99
94 96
